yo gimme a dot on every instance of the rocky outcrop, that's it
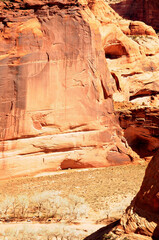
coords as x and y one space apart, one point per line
132 53
141 129
134 67
56 90
141 10
143 215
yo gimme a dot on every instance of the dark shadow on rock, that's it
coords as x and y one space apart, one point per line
145 205
98 235
150 217
155 235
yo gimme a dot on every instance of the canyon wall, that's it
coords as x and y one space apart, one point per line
63 64
132 53
141 129
141 10
56 90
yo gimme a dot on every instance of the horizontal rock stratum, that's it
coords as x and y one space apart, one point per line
56 90
63 63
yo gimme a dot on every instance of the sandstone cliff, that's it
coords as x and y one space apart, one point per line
141 10
62 63
56 90
132 53
141 129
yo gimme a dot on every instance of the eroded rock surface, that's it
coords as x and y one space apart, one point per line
142 10
141 129
143 215
55 88
132 53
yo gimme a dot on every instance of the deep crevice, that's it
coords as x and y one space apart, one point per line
116 81
112 56
104 91
145 93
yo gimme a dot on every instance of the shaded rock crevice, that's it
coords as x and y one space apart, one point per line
144 93
141 10
141 130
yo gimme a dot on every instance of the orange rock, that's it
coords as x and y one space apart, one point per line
142 10
143 214
140 28
131 49
56 91
141 129
56 88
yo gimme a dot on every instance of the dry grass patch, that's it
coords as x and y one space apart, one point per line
95 193
42 206
28 232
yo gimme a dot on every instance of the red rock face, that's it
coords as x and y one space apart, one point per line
143 214
141 129
141 10
55 88
132 52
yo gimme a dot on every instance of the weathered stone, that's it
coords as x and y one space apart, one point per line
141 129
143 215
141 10
56 90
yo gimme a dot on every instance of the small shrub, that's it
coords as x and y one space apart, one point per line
109 236
28 232
23 202
44 205
5 206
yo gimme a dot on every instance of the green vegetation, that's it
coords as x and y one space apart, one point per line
137 38
109 236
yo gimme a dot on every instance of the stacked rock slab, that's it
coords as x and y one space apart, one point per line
141 129
143 215
55 88
132 53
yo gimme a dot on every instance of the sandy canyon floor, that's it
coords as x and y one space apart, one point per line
107 191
